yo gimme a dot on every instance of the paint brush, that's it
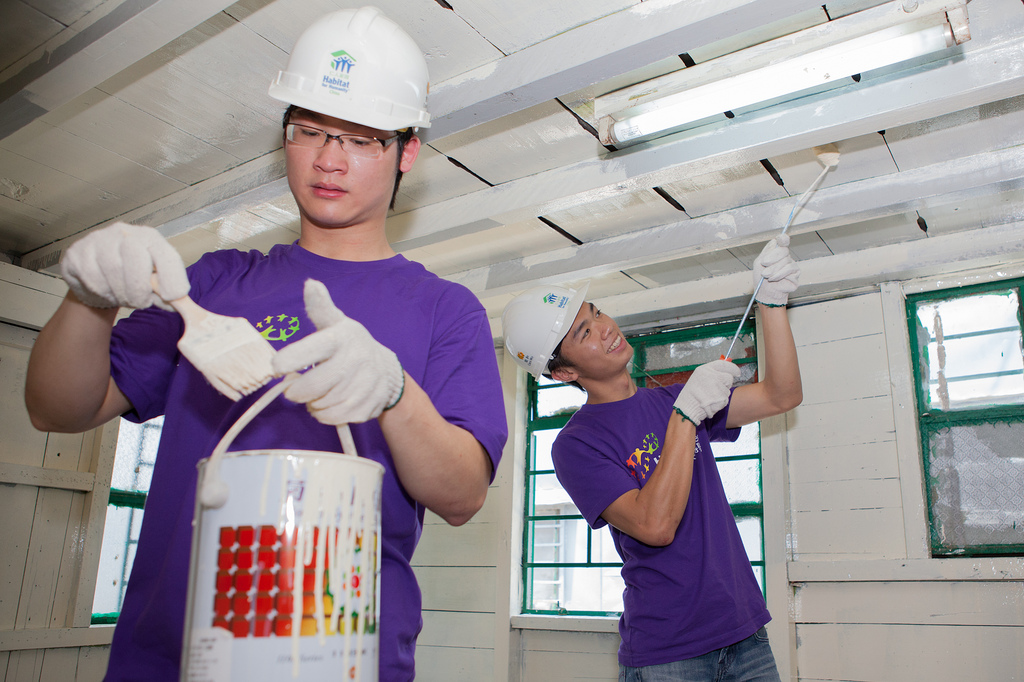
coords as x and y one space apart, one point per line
828 156
229 352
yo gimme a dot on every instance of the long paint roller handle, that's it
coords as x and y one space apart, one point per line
829 156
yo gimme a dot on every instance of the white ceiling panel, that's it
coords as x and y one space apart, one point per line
135 135
803 246
609 284
22 29
433 178
79 158
768 31
690 269
282 211
26 227
175 97
713 192
894 229
231 58
618 215
988 127
60 194
65 11
480 249
974 212
513 26
532 141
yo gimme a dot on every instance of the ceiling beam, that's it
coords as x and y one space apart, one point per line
1000 245
104 42
984 174
630 39
973 78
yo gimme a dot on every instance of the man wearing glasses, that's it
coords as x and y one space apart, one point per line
404 356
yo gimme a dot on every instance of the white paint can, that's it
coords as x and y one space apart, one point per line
285 573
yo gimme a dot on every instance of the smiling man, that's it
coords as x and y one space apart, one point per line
404 356
693 610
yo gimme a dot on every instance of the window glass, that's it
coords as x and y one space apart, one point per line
560 399
970 351
130 480
692 352
977 472
969 377
741 479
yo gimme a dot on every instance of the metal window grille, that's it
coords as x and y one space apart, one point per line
575 571
968 358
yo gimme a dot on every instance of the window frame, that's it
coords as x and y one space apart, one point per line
641 342
929 420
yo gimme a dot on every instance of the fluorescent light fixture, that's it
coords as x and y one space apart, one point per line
809 59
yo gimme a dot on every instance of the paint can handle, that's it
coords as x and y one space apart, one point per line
213 492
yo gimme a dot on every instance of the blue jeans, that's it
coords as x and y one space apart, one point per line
748 661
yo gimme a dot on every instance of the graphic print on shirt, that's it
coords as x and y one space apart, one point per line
641 462
280 327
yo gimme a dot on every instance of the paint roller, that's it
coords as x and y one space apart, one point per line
828 157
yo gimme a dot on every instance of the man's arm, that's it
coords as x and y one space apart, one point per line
68 387
779 389
652 513
441 465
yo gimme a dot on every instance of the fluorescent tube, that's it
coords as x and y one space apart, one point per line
678 100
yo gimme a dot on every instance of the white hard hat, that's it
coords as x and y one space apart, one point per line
359 66
535 322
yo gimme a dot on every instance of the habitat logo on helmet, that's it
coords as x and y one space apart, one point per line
341 64
555 299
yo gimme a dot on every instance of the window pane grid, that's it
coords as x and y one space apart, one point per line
968 359
549 585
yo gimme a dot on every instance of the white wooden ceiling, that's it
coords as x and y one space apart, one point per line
156 112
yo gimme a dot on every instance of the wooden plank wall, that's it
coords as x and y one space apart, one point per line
868 604
466 576
52 503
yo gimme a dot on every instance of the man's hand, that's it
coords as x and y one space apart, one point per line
781 273
707 390
113 267
353 378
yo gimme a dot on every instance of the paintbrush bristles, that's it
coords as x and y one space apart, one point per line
229 352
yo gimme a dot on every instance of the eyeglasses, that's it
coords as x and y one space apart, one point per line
363 146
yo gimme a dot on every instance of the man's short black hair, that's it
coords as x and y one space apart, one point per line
558 361
403 137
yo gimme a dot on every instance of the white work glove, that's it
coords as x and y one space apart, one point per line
707 390
353 378
114 266
781 273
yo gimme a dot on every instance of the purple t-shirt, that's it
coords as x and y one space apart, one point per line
441 335
694 595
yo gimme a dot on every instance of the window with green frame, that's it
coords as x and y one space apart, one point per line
129 485
571 569
966 346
